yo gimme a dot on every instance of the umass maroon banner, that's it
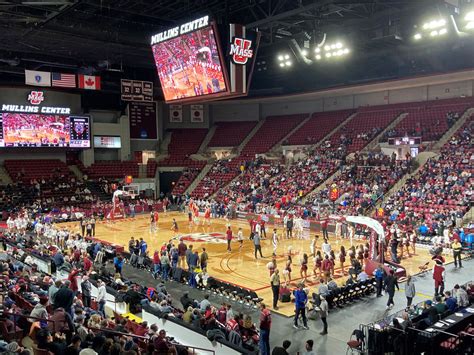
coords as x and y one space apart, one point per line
142 116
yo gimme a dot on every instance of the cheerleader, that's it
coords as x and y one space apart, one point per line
366 253
360 254
351 234
318 261
275 241
304 267
287 270
332 258
207 216
342 258
271 266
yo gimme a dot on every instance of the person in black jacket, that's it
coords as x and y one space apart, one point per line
86 288
282 350
390 283
64 297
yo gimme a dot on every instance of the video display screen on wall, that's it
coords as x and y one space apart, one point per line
190 65
42 130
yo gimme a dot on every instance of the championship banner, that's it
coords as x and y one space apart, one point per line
136 90
176 113
197 113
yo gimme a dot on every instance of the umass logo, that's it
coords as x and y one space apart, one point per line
36 97
241 50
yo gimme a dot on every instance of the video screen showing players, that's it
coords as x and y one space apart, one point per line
190 65
37 130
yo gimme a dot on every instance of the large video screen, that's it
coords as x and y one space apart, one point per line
190 65
41 130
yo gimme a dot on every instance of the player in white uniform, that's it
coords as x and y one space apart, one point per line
275 241
240 238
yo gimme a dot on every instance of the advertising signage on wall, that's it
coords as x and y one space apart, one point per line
142 116
34 124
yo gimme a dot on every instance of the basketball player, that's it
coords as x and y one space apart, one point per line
240 238
152 222
275 241
157 217
174 228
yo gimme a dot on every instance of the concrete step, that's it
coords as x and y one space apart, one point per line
207 139
249 136
447 136
421 159
76 171
5 179
329 180
198 179
373 143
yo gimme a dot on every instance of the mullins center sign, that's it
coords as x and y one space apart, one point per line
35 99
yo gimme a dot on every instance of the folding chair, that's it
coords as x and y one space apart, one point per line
356 344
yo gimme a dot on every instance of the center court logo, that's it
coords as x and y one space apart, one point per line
203 238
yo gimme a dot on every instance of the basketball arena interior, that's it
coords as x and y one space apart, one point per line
236 177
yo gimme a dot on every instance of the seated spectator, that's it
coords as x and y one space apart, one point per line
450 301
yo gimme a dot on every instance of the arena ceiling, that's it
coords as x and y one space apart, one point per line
113 35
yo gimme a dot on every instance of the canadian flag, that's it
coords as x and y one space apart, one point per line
89 82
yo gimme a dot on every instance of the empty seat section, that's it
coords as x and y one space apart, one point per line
184 142
231 134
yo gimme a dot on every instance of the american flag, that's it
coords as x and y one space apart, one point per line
64 80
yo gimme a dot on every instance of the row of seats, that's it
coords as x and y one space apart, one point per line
112 169
231 134
184 142
26 170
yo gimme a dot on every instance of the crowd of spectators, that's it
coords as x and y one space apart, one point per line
441 192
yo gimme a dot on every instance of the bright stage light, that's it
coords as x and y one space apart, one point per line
318 57
327 48
433 33
469 19
328 55
442 31
417 36
280 58
287 56
304 52
288 63
317 50
470 26
338 45
282 65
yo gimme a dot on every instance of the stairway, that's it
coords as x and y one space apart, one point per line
373 143
279 144
207 139
447 136
321 186
76 171
4 177
347 120
198 178
249 136
421 159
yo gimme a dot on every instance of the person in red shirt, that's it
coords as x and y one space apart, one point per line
87 264
324 227
156 264
73 279
233 323
229 238
326 267
438 275
207 216
157 217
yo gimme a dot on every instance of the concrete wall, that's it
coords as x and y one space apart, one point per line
166 124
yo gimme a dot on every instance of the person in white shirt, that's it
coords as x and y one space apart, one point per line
240 238
101 297
275 241
326 247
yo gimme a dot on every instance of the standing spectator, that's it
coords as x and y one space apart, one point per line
156 264
53 289
438 276
257 246
118 264
282 350
390 284
326 267
301 298
165 265
462 297
323 312
265 325
379 274
275 283
64 297
86 288
203 259
324 227
188 254
182 254
410 290
228 234
101 297
457 249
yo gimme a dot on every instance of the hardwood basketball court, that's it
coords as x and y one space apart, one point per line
239 266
